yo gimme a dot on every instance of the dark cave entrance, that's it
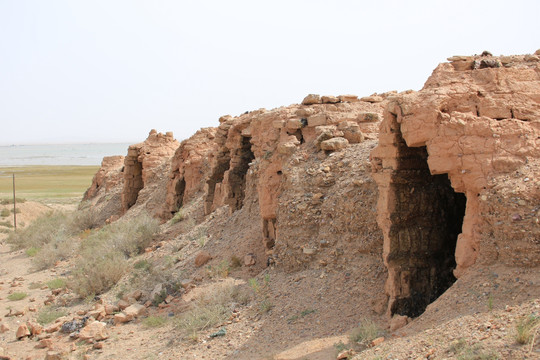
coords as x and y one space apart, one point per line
426 220
133 182
237 175
223 164
179 190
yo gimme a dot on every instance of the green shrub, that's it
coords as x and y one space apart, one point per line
5 213
31 251
96 271
366 331
179 216
16 296
464 351
49 314
143 265
57 283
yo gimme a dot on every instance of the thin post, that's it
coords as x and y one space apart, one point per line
14 205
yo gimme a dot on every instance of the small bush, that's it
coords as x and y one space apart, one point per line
365 333
57 283
31 251
49 314
211 308
235 262
6 224
16 296
154 321
60 247
179 216
17 211
525 328
40 232
96 271
35 285
143 265
5 213
9 201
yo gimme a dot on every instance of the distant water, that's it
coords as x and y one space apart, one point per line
59 154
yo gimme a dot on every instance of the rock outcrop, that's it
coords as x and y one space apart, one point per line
453 170
457 167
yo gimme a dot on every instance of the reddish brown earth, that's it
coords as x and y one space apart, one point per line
418 211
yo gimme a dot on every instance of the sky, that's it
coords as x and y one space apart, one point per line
110 71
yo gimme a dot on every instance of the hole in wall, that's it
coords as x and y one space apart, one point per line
223 164
237 175
133 182
427 218
179 190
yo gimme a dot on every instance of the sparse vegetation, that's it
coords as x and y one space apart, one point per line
49 314
302 314
154 321
31 251
5 213
525 329
6 224
464 351
211 308
179 216
16 296
104 254
366 331
235 262
57 283
9 201
143 265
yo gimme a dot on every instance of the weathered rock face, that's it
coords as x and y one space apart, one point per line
190 168
256 146
108 176
143 164
456 167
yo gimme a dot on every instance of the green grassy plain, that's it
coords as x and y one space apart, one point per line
46 182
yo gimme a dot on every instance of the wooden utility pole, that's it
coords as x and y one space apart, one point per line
14 205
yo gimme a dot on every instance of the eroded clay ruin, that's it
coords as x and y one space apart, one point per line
451 168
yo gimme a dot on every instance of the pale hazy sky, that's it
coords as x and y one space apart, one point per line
109 71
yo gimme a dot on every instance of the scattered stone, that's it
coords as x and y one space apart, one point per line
377 341
250 259
122 304
74 325
185 283
135 310
334 144
34 327
53 327
309 251
202 258
3 328
312 99
44 344
169 299
94 331
398 321
22 332
54 355
111 309
97 346
120 318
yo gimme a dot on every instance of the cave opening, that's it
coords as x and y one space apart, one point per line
426 219
133 182
179 190
237 175
214 181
